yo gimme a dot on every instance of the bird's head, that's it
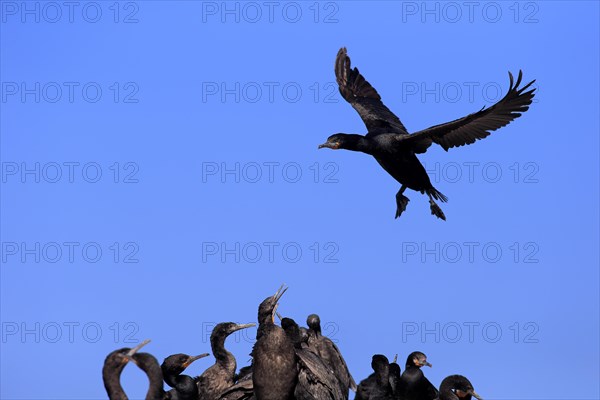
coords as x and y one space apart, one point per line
335 142
268 308
314 323
463 388
417 359
225 329
177 363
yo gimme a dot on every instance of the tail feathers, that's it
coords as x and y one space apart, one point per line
437 195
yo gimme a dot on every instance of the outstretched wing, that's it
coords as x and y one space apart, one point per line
478 125
355 89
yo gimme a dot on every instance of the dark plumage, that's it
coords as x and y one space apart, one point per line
315 380
113 366
220 376
377 385
395 150
457 387
149 364
329 353
413 383
274 368
184 385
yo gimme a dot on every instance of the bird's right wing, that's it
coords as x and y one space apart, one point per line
319 378
355 89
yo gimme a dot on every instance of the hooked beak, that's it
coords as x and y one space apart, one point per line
395 358
191 359
279 316
472 393
427 364
329 145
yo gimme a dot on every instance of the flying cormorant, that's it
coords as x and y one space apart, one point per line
395 150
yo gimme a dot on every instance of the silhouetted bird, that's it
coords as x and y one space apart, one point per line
184 385
274 367
220 376
413 383
457 387
329 353
113 366
395 150
377 385
315 380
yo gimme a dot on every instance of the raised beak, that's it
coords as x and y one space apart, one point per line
279 316
279 293
137 348
191 359
472 392
395 358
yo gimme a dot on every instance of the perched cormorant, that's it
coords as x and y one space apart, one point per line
113 366
395 150
220 376
413 383
184 385
377 385
274 367
329 353
457 387
395 376
315 380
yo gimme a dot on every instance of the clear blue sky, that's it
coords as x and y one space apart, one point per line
160 174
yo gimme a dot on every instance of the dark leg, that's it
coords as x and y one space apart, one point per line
401 201
435 209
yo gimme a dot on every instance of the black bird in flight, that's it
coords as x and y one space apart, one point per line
395 149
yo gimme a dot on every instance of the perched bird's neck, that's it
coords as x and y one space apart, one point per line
224 358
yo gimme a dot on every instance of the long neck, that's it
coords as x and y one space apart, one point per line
360 143
111 375
151 368
224 358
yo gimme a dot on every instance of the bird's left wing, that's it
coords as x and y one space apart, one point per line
475 126
355 89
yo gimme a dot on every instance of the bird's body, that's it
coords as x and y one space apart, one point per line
274 366
184 385
377 386
413 384
220 376
329 353
396 150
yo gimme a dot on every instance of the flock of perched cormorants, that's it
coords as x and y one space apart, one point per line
288 362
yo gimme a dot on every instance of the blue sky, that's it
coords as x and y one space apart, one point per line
160 174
